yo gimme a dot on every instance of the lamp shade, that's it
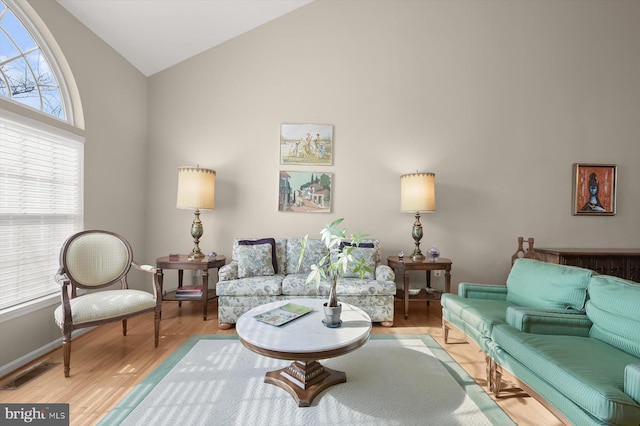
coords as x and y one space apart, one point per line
418 192
196 188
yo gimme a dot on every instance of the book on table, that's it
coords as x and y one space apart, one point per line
283 314
189 291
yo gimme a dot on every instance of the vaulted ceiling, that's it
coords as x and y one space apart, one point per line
156 34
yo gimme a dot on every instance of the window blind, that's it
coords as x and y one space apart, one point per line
41 204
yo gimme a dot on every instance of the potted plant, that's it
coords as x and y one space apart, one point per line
334 264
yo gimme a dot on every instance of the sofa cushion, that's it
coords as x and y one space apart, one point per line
587 371
255 260
281 244
314 251
547 286
614 309
369 256
480 314
270 241
632 381
296 285
252 286
365 287
344 244
547 321
482 291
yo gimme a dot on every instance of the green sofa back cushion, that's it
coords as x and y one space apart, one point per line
614 309
547 285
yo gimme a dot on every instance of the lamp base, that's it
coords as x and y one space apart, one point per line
416 233
196 256
196 233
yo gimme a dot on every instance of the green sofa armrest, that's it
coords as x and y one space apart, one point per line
547 321
482 291
632 381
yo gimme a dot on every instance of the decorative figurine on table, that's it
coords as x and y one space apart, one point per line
433 253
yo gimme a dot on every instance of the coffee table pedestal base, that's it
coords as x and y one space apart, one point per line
304 380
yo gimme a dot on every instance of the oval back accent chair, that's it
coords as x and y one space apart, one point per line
93 260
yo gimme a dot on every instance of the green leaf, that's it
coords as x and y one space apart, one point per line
332 236
357 237
314 276
336 222
303 244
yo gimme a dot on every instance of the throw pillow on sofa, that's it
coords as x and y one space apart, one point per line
255 260
366 251
613 309
313 253
272 241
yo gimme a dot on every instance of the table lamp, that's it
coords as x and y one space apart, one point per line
196 189
417 194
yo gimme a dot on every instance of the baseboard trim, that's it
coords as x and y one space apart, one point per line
19 363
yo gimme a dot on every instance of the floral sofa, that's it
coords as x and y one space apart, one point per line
266 270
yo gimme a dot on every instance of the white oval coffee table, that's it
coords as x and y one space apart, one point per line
304 340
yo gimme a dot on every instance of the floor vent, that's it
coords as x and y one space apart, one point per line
23 375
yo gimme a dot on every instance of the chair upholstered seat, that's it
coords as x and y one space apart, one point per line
106 304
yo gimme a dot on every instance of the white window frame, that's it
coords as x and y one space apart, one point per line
49 135
65 95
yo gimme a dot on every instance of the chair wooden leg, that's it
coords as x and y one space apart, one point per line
489 371
157 328
445 330
497 379
124 327
66 349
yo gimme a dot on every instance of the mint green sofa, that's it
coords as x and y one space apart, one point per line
582 362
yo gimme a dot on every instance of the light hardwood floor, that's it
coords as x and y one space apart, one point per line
105 366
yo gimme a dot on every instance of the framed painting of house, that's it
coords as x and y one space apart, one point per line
594 189
306 144
305 192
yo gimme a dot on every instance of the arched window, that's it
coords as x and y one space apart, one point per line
41 164
26 75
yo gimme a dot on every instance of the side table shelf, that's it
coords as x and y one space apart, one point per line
403 266
184 263
172 296
425 294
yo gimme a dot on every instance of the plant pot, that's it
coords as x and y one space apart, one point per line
332 315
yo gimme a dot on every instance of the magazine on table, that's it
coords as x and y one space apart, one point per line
283 314
189 292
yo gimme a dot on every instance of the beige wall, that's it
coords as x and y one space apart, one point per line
498 98
114 100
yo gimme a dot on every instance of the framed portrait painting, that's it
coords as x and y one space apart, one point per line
306 144
594 189
305 192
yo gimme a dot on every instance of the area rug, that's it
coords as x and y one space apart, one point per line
391 380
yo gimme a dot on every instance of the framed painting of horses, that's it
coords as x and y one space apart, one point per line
594 189
306 144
